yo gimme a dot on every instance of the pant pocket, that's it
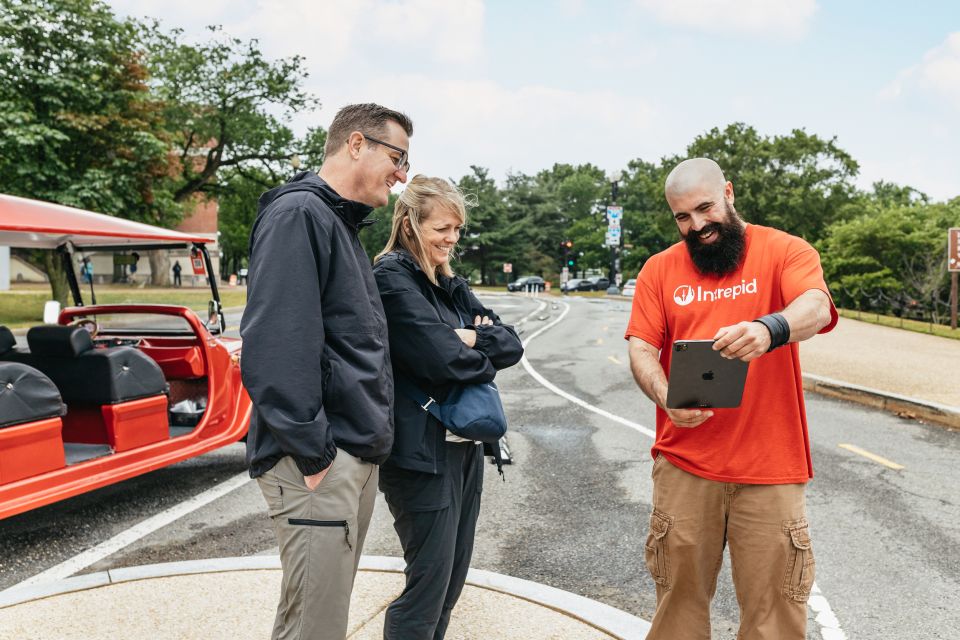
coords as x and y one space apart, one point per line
272 493
349 536
657 556
799 574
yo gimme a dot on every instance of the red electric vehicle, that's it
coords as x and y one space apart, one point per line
110 391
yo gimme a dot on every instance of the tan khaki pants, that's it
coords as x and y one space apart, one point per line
321 535
772 560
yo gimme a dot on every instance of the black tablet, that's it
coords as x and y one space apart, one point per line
701 378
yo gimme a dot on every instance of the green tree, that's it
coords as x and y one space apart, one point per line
887 252
648 225
227 109
486 234
798 183
227 106
79 125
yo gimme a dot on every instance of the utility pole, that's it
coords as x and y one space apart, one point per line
953 266
614 235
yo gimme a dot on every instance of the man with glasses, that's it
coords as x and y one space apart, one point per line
316 366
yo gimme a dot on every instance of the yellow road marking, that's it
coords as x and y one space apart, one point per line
614 360
872 456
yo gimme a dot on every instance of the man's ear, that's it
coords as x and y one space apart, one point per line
354 142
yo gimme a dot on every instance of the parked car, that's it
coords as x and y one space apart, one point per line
110 391
629 287
525 283
596 283
571 285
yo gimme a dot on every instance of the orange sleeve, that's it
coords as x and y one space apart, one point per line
647 320
802 272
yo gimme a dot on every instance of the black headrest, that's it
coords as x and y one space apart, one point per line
58 341
7 341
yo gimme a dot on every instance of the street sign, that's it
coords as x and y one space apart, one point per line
614 213
508 267
953 249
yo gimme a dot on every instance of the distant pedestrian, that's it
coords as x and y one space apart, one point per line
732 476
440 336
86 271
176 273
316 365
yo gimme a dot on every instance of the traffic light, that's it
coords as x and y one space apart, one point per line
566 246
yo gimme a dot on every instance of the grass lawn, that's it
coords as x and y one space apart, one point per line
941 330
23 306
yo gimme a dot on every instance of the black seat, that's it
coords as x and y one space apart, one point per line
87 375
26 395
8 343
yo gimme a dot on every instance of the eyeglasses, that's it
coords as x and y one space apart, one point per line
403 162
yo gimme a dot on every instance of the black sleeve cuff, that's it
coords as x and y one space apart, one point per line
312 466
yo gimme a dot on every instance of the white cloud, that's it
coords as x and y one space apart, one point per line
334 35
368 34
462 122
772 18
937 73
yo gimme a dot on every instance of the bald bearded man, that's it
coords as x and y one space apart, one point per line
738 475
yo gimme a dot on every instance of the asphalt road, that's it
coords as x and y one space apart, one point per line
573 512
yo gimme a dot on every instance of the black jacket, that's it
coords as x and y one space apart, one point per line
315 358
427 352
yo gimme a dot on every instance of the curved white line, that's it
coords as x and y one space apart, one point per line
829 624
572 398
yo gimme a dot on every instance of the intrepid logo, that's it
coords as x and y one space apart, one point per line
685 294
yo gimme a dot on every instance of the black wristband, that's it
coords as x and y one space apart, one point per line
779 330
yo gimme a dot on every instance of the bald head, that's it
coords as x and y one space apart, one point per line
696 174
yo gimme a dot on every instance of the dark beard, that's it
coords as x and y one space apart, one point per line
723 255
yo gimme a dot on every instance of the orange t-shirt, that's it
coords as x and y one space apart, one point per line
765 440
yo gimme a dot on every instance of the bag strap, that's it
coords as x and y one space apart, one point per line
413 392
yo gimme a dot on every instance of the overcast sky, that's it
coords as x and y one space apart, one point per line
517 86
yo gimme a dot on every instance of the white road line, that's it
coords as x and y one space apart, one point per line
829 624
125 538
563 394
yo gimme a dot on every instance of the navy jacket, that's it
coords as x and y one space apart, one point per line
315 358
427 352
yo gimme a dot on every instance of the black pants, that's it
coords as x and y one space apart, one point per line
436 519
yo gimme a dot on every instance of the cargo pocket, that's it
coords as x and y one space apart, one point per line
798 578
658 559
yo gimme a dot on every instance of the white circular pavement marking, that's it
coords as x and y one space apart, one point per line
825 618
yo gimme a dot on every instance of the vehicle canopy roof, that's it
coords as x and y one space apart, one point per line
34 224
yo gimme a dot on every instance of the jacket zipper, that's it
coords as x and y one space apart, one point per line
325 523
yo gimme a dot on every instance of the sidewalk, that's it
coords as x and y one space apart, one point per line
913 374
235 599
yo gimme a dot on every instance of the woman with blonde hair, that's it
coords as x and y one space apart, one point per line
441 336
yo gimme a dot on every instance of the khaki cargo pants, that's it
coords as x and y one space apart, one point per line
321 535
771 557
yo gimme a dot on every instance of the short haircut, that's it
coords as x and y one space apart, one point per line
366 118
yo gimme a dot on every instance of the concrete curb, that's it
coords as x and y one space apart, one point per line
596 614
903 406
